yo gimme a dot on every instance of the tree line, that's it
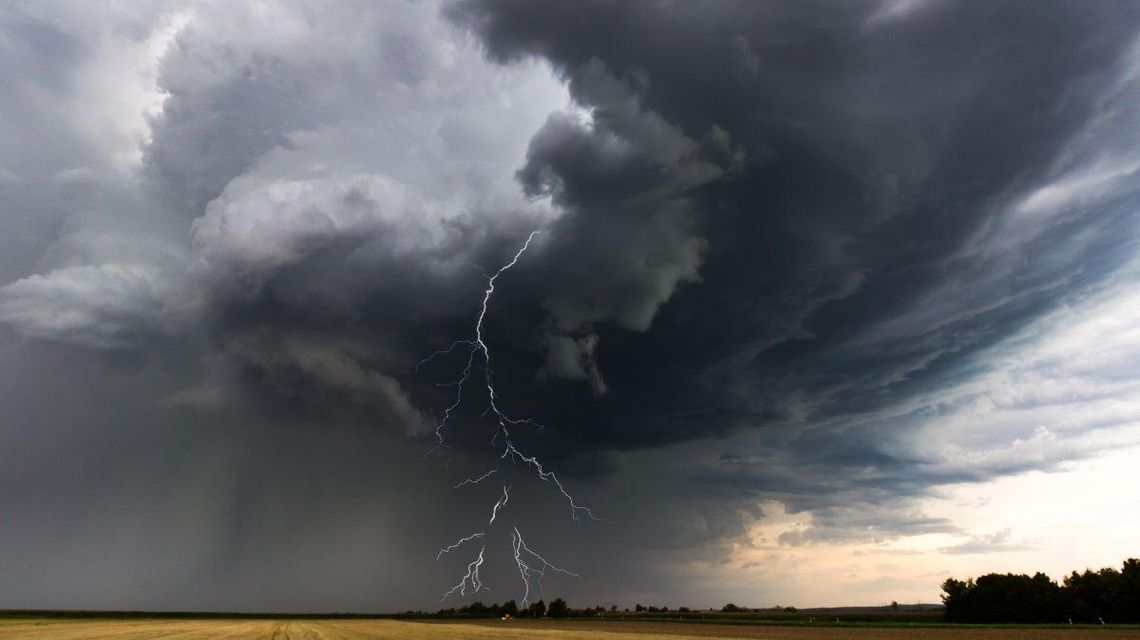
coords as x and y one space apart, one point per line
557 609
1107 596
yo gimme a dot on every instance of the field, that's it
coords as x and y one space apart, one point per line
317 629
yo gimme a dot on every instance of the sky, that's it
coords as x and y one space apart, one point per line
828 301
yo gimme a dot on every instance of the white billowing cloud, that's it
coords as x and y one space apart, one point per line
262 225
391 89
214 145
83 85
80 86
392 104
398 128
107 275
394 160
118 89
97 74
106 306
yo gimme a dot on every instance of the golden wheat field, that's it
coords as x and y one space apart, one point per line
574 630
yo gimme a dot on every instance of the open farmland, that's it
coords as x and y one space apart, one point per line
55 629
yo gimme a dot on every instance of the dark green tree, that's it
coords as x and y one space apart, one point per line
558 609
1108 595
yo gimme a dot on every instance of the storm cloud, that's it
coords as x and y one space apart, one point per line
834 257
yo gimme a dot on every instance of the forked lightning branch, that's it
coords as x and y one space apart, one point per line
531 566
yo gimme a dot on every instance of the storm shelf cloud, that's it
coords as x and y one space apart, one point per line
810 275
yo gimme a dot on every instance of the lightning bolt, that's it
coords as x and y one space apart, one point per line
458 543
472 578
547 476
477 348
441 352
526 571
470 481
500 504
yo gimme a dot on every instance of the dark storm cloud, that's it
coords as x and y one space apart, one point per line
844 189
873 152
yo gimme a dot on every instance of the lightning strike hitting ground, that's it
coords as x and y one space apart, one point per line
472 578
478 347
526 571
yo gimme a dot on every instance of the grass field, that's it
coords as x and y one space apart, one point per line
139 629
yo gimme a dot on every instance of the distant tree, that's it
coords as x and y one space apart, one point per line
475 608
509 608
1107 595
955 598
1096 595
538 609
1129 602
684 610
613 608
894 605
730 608
639 608
558 608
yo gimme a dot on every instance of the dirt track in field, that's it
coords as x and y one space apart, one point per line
516 630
